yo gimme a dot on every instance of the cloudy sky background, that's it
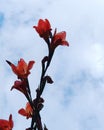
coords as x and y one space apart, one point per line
76 99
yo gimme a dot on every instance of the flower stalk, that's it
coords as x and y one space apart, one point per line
22 71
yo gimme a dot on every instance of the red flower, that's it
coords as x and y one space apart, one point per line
6 124
28 111
22 70
43 28
58 39
21 86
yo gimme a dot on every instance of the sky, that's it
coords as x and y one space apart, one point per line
76 99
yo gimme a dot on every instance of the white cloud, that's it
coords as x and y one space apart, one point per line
75 100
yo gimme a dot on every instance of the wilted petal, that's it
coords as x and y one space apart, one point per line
49 79
20 86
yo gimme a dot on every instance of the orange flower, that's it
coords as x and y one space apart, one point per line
22 70
43 28
58 39
20 86
6 124
28 111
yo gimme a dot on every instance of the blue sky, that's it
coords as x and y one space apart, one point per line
76 99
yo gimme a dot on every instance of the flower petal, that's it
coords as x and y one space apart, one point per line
30 64
61 35
22 112
11 121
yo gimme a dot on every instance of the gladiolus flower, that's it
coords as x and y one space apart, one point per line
22 70
27 112
43 28
21 86
6 124
58 39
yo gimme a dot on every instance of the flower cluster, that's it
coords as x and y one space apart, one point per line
22 71
44 30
